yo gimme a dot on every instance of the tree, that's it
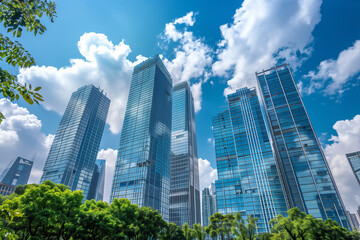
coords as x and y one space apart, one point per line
172 232
220 225
294 226
16 15
199 231
149 223
94 221
124 214
188 233
48 211
244 231
19 190
6 217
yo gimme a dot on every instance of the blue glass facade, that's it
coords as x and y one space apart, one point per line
142 170
73 152
17 172
248 182
308 182
96 190
184 169
354 160
208 207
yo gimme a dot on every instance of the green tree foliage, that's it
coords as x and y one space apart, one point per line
298 225
94 221
48 211
187 231
16 15
172 232
52 211
199 231
243 230
7 215
221 225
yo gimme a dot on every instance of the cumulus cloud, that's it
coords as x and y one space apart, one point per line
262 34
20 135
104 64
207 173
346 140
333 76
192 57
110 156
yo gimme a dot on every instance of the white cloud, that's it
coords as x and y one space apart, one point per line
188 19
193 57
110 156
20 135
207 173
262 34
347 140
332 76
104 64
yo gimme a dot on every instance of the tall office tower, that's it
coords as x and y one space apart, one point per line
248 182
73 153
208 206
184 168
349 219
96 190
17 172
307 179
354 223
354 220
142 170
354 160
358 212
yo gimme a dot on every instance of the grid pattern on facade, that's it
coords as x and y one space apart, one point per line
17 172
184 170
142 170
308 182
6 189
96 190
248 182
354 160
208 208
73 153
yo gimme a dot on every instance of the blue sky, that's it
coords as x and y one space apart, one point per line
216 46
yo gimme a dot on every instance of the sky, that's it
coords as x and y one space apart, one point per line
217 47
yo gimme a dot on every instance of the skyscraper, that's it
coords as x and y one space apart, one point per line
354 223
354 160
307 179
96 190
73 153
248 182
184 169
142 170
17 172
208 206
354 220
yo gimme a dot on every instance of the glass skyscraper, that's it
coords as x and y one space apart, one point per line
17 172
184 169
354 160
142 170
96 190
208 206
73 152
307 179
248 182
